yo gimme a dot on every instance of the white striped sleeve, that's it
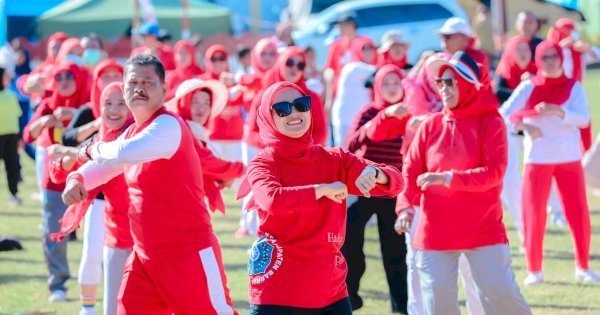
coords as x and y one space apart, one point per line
159 140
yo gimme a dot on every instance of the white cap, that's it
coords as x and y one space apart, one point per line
455 25
389 38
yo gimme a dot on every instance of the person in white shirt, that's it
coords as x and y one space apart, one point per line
551 109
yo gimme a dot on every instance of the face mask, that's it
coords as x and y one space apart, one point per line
74 58
91 57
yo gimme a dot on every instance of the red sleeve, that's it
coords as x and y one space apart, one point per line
42 110
271 196
332 56
357 137
413 166
354 165
57 173
217 168
494 158
320 120
383 128
251 135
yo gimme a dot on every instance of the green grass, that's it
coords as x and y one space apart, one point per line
23 273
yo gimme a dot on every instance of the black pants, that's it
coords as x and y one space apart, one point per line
393 250
8 152
341 307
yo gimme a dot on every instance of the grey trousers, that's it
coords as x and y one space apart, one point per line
54 253
114 264
492 272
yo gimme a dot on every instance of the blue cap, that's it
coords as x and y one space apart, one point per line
149 29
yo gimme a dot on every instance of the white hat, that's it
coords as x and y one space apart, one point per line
455 25
219 94
389 38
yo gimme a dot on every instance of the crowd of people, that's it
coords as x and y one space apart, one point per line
139 153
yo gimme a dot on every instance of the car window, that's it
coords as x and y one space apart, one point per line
403 13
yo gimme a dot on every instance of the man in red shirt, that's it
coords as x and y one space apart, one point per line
176 264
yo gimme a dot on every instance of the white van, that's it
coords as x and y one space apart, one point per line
418 20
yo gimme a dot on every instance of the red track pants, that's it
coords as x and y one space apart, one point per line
183 284
570 182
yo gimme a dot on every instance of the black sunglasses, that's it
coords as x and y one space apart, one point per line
290 63
440 83
64 76
218 58
550 57
284 109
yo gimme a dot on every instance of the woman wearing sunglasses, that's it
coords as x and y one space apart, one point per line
551 109
453 171
46 125
352 94
377 135
112 210
299 190
196 101
227 129
289 67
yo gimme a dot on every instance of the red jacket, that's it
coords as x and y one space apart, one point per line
468 213
304 234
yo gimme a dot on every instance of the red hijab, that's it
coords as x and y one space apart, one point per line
66 47
255 57
378 101
470 102
191 70
356 49
210 69
106 134
561 30
277 73
80 96
60 36
385 59
102 67
508 68
184 104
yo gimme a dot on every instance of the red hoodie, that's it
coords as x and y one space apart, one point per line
297 261
470 142
277 74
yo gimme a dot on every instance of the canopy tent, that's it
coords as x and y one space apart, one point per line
111 18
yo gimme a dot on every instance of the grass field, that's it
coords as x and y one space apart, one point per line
23 273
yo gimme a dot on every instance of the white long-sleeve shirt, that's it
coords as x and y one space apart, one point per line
159 140
560 140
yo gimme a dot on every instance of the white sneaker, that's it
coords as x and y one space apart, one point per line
586 275
87 311
534 278
58 296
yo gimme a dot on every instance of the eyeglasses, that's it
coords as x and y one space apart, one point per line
549 58
290 63
64 76
447 36
284 109
441 83
218 58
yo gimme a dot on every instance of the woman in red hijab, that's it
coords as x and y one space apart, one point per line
515 66
351 93
551 108
453 171
377 135
85 122
227 129
393 50
196 101
185 65
299 190
46 127
115 118
289 67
